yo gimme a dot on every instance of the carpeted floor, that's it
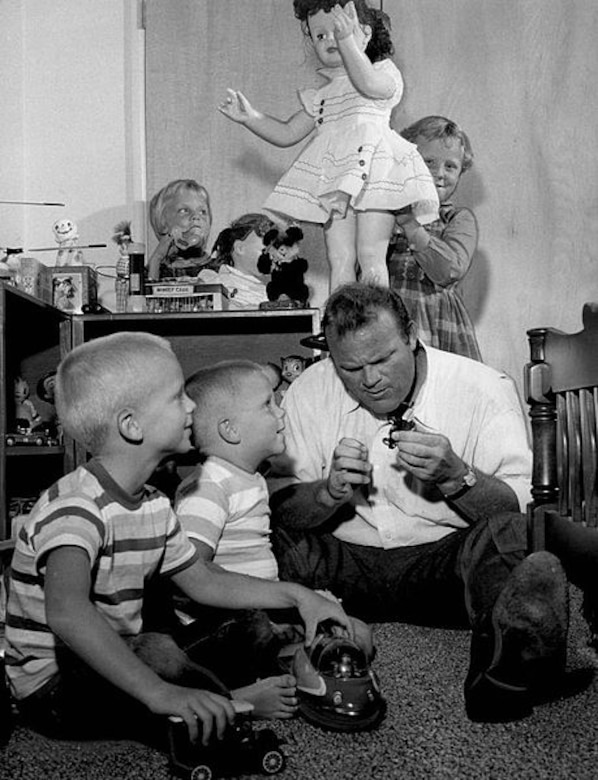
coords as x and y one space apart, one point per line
425 734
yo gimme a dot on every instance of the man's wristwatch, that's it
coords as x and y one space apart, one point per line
468 480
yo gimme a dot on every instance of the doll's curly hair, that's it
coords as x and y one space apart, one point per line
380 46
238 230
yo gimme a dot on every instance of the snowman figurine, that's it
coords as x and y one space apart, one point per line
66 236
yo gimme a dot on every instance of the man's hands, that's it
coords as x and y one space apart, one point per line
238 108
428 456
194 706
350 468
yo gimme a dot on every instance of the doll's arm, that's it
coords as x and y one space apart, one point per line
445 259
276 131
366 79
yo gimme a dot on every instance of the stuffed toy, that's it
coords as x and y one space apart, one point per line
281 260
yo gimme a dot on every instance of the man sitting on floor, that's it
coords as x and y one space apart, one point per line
401 490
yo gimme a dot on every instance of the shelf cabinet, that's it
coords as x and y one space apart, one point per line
203 338
31 345
34 336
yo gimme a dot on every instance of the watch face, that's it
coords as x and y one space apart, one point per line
470 478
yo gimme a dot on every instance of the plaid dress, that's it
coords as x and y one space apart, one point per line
427 281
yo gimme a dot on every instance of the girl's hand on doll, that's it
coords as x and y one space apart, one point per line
345 21
237 107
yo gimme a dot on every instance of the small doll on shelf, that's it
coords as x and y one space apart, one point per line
122 238
26 415
280 258
356 172
66 235
234 261
181 217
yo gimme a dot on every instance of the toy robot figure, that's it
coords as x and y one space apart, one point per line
337 689
66 236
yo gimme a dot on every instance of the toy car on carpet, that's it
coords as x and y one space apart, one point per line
243 750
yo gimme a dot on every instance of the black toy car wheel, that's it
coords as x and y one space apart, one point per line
201 772
273 762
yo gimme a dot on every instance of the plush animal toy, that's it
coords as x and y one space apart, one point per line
281 260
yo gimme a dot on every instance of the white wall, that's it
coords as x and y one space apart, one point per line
71 89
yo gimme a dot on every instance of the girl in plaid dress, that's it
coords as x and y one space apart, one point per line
426 264
356 172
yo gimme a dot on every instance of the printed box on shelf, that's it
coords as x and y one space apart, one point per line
73 286
35 278
176 297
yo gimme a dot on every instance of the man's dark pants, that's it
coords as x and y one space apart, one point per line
451 582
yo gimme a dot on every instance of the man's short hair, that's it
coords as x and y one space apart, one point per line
164 197
433 128
354 305
97 379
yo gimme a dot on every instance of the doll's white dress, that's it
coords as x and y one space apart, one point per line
355 158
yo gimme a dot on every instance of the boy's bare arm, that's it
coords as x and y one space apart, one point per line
209 584
72 616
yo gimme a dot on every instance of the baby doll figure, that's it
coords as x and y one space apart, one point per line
234 261
66 235
355 172
426 264
181 218
26 414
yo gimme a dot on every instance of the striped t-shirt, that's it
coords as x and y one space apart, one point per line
227 509
127 539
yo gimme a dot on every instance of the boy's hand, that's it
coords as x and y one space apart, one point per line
237 107
195 706
315 609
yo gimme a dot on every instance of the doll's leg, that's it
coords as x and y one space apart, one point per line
340 236
374 230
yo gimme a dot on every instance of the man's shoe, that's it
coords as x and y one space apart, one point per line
523 649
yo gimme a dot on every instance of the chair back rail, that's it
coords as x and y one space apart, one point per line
561 388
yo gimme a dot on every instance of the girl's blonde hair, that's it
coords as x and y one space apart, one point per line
434 128
97 379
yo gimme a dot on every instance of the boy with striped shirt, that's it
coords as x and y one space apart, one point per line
78 660
224 504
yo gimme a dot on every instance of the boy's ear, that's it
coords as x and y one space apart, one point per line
129 427
228 431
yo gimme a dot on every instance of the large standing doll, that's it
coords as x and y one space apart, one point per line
355 171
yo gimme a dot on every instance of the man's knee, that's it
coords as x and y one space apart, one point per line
503 535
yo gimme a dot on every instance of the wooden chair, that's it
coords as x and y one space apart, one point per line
561 388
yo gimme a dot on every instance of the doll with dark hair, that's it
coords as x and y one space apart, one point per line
356 172
234 261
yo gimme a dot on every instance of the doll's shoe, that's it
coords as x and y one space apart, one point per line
315 342
520 658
